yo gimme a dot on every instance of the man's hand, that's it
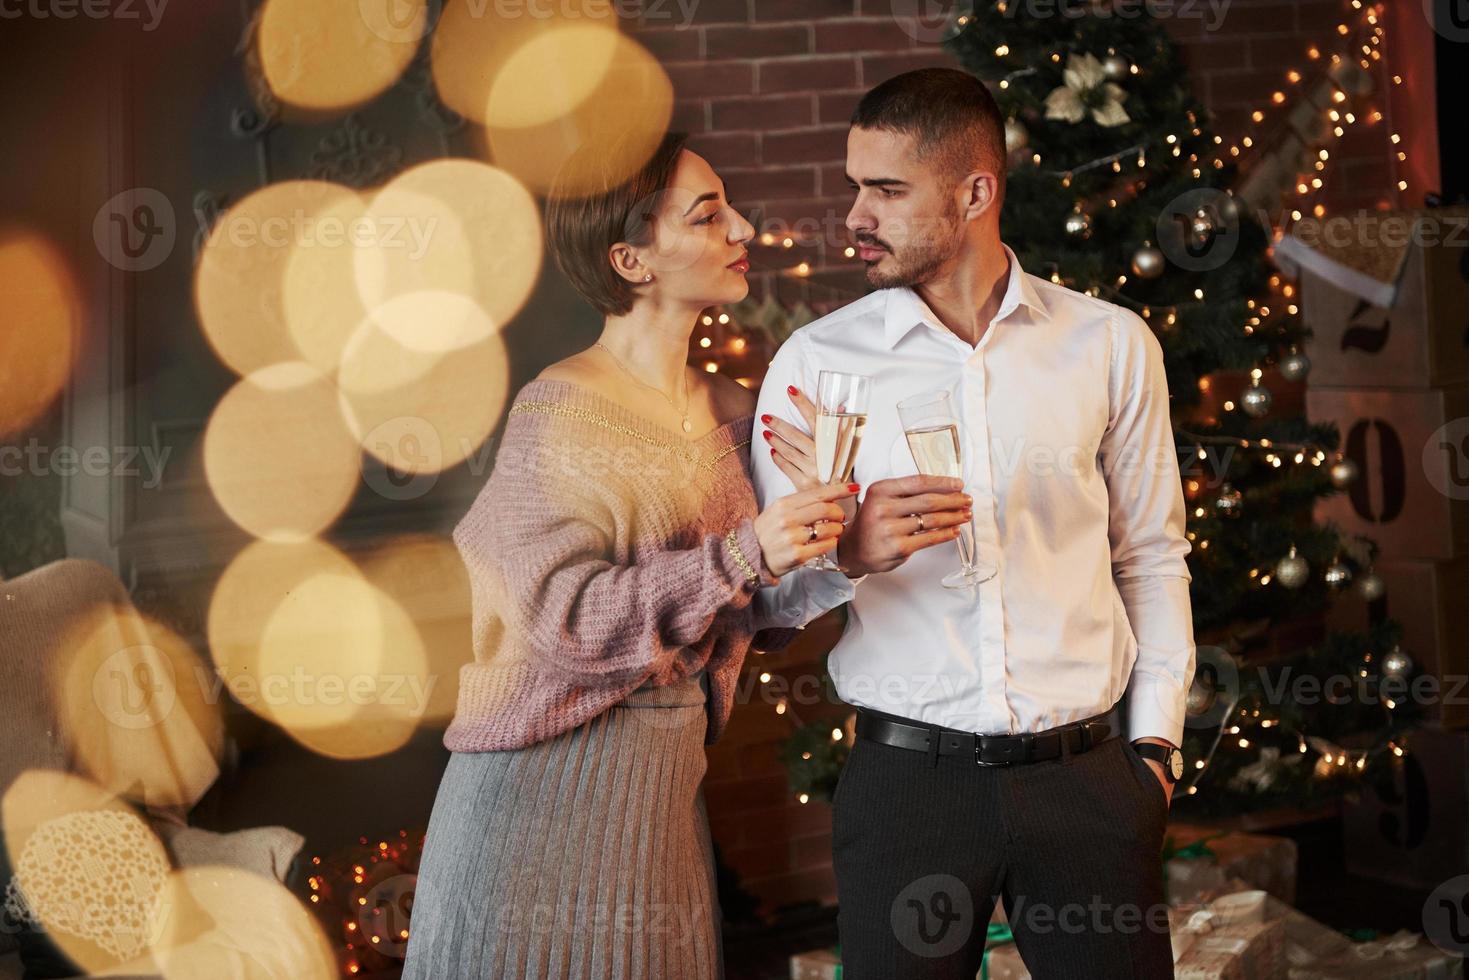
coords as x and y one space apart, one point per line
887 531
1157 767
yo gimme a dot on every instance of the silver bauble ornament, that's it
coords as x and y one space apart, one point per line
1079 224
1337 574
1396 663
1371 587
1344 472
1115 67
1148 262
1230 501
1292 571
1228 206
1256 400
1294 366
1201 698
1017 137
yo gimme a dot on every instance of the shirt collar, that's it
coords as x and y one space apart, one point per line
906 309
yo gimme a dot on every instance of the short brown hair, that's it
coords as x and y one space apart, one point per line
582 226
948 112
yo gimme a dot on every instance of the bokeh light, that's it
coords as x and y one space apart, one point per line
278 456
334 56
621 100
38 335
422 412
473 41
580 57
239 282
90 869
426 577
133 709
302 638
227 922
466 259
320 303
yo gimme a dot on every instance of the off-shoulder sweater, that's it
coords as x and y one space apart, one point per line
604 553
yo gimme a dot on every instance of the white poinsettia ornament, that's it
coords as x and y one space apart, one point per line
1086 89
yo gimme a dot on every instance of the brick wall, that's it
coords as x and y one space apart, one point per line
766 87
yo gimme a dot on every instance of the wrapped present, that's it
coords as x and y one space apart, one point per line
1315 951
1001 958
1228 938
1403 956
819 964
1196 861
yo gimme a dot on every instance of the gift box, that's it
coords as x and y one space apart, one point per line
1197 860
1001 960
1230 937
1001 957
1403 956
1315 951
819 964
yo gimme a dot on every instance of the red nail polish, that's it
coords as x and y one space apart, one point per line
765 419
767 435
772 452
854 487
792 389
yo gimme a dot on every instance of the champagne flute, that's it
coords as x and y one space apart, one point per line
841 415
932 430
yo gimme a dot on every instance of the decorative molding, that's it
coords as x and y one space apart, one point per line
419 79
254 121
354 155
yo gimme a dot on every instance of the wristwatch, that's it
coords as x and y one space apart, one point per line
1171 758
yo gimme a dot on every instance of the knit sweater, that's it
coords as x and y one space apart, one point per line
605 553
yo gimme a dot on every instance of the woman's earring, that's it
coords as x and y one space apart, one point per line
648 277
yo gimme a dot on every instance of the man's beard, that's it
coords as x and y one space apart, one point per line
918 262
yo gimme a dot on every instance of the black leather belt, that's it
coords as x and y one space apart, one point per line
990 750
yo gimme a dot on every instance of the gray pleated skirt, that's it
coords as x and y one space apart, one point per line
585 856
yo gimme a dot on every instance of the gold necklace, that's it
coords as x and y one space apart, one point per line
688 426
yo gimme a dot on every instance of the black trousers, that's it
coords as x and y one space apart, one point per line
924 846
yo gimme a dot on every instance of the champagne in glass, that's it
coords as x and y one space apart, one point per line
841 415
838 436
932 430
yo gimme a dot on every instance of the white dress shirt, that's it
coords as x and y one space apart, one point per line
1070 459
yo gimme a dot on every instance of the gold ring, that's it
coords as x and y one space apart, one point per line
812 528
920 523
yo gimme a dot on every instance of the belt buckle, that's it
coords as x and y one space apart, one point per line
1026 739
978 746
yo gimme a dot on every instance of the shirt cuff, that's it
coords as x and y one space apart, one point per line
805 594
1155 708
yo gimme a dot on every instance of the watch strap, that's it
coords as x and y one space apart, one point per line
1160 754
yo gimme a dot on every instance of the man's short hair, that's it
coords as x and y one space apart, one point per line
951 115
583 226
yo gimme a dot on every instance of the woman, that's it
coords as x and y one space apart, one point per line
613 554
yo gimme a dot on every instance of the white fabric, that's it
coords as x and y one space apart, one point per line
1071 461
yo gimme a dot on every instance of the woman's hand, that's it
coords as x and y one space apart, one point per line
792 449
785 527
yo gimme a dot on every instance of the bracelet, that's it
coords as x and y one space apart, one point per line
751 576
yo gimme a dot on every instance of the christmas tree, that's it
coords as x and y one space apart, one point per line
1117 187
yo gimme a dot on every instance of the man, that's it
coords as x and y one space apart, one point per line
988 762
